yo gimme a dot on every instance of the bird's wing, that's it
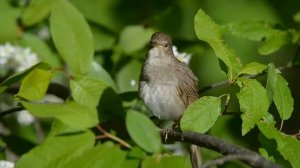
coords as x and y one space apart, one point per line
187 84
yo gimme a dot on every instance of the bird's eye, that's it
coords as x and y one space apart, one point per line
166 45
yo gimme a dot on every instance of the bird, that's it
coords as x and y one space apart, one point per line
167 86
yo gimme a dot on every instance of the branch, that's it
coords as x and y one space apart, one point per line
210 142
222 160
109 135
225 82
10 111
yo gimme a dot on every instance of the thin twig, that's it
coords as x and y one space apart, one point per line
281 125
226 82
220 146
39 130
10 111
227 158
109 135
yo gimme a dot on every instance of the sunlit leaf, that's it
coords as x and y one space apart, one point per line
134 38
287 146
102 40
41 48
143 131
253 101
297 17
36 11
8 19
100 12
70 113
274 43
128 77
104 155
72 36
35 84
87 91
255 31
20 75
283 98
278 90
271 81
207 30
201 114
98 72
167 161
56 148
253 68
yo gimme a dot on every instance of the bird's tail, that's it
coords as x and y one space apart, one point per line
195 156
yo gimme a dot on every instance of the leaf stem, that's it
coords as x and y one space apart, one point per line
281 125
109 135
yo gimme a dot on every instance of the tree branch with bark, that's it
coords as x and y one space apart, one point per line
231 152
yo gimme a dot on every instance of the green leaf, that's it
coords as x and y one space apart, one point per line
36 11
253 101
56 148
40 47
251 30
128 77
98 72
102 13
59 128
264 153
20 75
72 36
296 17
35 84
287 146
87 91
104 155
102 39
8 19
167 161
278 90
275 42
253 68
283 98
137 152
70 113
201 115
271 81
134 38
143 131
207 30
131 163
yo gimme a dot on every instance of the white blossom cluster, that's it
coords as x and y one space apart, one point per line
6 164
183 57
16 58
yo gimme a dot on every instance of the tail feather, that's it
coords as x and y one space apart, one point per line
195 156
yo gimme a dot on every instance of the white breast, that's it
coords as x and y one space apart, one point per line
162 100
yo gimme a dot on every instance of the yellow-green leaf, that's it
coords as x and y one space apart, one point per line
253 101
35 84
72 36
201 114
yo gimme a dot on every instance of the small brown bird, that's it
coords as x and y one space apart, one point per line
167 86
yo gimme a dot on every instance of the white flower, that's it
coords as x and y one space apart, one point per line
14 57
183 57
44 33
25 118
6 164
133 82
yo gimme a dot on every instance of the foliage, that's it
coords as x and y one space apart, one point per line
91 53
